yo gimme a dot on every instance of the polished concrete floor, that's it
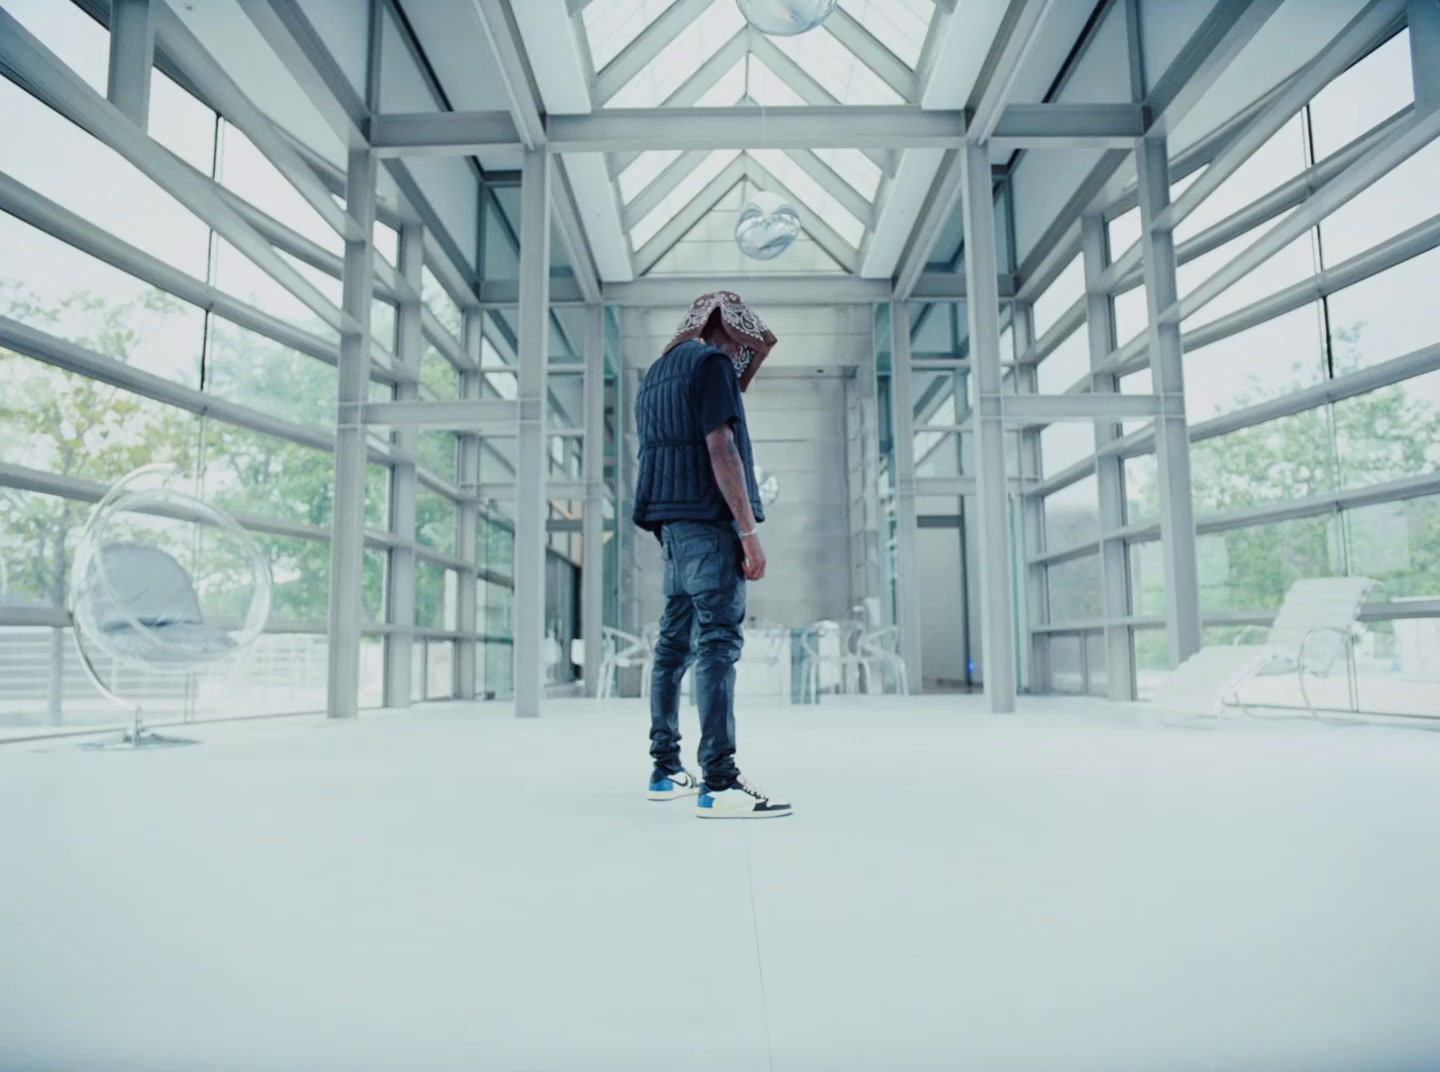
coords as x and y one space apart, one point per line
1070 888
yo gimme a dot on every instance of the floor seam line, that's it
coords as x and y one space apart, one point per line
759 961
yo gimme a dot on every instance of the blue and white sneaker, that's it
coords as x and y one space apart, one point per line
673 786
743 800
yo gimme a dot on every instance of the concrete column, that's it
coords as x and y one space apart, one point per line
907 562
132 58
348 515
1109 468
983 305
533 463
1172 433
592 576
399 643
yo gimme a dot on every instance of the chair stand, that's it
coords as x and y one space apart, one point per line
138 736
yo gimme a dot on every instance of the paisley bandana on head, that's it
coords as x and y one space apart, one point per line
740 333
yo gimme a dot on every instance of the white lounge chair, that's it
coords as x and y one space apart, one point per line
1311 633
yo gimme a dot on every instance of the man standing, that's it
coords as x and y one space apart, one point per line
696 492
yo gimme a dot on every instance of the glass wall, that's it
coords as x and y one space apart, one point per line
1313 391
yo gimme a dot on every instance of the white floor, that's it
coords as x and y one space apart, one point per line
1070 888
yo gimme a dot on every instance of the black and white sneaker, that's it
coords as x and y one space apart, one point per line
743 800
673 786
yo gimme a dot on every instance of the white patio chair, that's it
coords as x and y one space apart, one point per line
768 644
623 651
882 649
1311 633
831 645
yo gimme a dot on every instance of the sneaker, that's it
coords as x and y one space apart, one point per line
671 786
743 800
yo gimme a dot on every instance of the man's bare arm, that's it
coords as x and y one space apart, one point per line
729 469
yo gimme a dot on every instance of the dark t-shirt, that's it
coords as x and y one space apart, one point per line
718 389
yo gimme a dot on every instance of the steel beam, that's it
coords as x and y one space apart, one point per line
1028 409
592 575
690 215
907 564
442 133
132 58
35 67
935 213
890 69
477 415
660 187
983 312
400 577
347 561
533 460
1424 19
1172 436
1017 36
649 43
1408 139
857 127
467 520
1110 470
818 289
1220 38
1358 36
1069 126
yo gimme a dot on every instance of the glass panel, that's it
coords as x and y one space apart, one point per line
1152 660
811 194
610 25
440 670
1397 666
685 192
431 610
434 520
1401 199
1066 669
1398 544
1064 443
438 374
1066 365
62 423
254 371
1075 590
1294 263
79 41
1142 489
1388 315
182 124
676 62
248 172
256 473
899 25
1275 358
1099 670
441 304
59 160
54 288
1072 515
836 68
1363 97
437 452
1147 578
1289 458
1276 162
1132 314
1251 569
1123 232
1065 291
239 276
1390 433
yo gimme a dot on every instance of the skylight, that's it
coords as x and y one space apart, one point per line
677 61
838 69
686 191
612 24
899 25
811 193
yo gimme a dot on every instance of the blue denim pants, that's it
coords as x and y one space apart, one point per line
704 609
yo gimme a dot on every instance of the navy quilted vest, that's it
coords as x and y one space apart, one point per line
675 481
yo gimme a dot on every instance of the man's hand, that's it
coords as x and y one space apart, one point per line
754 565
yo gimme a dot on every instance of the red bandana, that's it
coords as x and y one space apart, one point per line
743 335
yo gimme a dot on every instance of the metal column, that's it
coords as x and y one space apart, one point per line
592 576
532 469
347 531
132 58
1172 433
467 520
400 582
983 305
907 563
1109 468
1035 674
1424 19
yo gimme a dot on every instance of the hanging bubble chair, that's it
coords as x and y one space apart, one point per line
785 18
163 583
768 225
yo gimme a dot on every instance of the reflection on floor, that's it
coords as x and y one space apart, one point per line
1072 887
